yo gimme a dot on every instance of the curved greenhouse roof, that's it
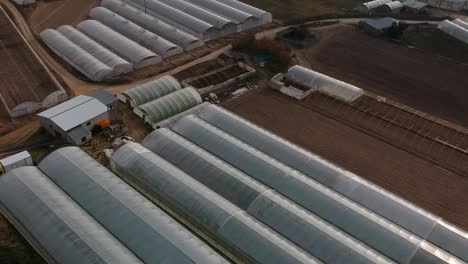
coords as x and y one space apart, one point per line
152 90
157 26
147 39
144 228
225 10
169 105
376 3
58 228
280 214
346 214
80 59
374 198
454 30
128 49
101 53
178 18
261 15
461 23
225 25
324 83
204 208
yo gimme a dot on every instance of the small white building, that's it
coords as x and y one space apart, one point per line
18 160
74 120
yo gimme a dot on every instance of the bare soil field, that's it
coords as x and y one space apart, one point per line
419 79
52 14
22 77
373 149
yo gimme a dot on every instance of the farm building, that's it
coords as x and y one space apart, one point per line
75 119
157 26
168 105
368 7
149 91
389 8
72 199
17 160
454 30
414 6
299 82
140 35
378 27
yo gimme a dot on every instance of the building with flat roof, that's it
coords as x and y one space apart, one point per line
74 120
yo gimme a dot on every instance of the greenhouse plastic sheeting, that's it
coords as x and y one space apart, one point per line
324 83
373 230
395 209
128 49
177 18
224 25
101 53
377 3
76 56
140 35
54 224
169 105
461 23
454 30
144 228
203 207
172 120
261 15
157 26
317 237
152 90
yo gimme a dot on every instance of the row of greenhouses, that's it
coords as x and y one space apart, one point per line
214 168
161 99
123 35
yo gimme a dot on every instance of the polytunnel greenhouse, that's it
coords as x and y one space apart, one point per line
454 30
398 211
80 59
150 91
129 50
140 35
172 120
178 18
363 224
119 65
247 20
152 235
205 209
461 23
261 15
324 83
169 105
224 25
58 228
157 26
374 4
288 219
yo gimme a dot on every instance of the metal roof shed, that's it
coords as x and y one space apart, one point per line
144 228
153 24
55 225
140 35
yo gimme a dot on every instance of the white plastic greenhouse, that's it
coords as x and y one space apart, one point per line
454 30
168 105
461 23
119 65
324 83
203 208
55 225
247 20
369 6
147 39
177 18
150 91
225 25
131 51
261 15
153 24
140 225
80 59
371 196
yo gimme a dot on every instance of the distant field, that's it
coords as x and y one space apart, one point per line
289 9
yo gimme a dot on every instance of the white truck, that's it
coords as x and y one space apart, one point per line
21 159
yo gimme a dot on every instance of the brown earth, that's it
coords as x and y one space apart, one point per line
22 77
400 169
419 79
